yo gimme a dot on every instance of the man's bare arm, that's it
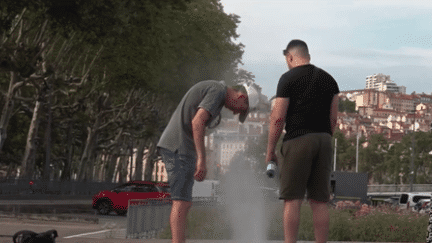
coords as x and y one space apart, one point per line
198 129
277 123
333 112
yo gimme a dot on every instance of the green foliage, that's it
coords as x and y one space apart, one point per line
204 223
388 227
347 106
380 226
346 151
156 48
373 157
387 161
16 140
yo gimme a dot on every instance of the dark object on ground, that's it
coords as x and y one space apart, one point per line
27 236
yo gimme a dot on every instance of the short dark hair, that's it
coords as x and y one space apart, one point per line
300 47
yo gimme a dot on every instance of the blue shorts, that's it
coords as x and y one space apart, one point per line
180 169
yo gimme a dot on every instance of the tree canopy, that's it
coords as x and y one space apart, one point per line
90 80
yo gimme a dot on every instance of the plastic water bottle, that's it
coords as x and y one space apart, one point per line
271 169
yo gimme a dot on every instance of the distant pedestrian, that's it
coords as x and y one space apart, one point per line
306 104
182 142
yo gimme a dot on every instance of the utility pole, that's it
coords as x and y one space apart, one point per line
412 163
334 166
357 151
412 154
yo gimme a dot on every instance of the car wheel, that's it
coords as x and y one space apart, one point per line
104 207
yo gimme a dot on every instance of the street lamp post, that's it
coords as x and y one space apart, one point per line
334 157
357 151
412 164
412 155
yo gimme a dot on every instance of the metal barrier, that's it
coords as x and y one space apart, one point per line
147 217
399 188
52 187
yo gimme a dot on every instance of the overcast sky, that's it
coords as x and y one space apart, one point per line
348 39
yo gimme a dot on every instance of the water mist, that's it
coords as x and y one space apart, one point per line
245 202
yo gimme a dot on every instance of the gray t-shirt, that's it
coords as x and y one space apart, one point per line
177 136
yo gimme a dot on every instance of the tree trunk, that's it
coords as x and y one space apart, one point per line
123 169
131 162
150 162
47 168
115 161
111 164
84 156
88 152
91 161
66 174
31 145
139 160
7 109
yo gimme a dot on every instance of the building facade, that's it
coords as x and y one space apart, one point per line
381 82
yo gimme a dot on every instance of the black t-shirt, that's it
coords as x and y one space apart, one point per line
310 100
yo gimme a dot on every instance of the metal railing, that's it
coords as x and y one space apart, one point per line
147 217
53 187
400 188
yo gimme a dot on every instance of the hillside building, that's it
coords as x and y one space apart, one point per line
381 82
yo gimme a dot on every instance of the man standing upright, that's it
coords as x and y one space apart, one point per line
306 105
182 142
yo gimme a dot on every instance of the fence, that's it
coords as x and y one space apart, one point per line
146 218
54 187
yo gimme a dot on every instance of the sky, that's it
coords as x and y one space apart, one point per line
350 39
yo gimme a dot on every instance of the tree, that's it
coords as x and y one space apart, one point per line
346 105
79 75
373 158
345 153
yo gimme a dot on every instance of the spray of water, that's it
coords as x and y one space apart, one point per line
245 203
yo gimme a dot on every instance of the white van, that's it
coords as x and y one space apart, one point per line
408 200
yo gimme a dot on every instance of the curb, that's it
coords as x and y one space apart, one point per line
52 217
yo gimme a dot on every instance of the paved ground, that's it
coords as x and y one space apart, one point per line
106 229
70 232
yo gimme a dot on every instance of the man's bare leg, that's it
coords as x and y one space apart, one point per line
178 218
291 220
321 221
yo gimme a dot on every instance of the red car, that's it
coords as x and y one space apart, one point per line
117 199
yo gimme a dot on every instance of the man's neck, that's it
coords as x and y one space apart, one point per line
299 65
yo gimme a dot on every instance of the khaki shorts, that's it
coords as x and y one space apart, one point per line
306 167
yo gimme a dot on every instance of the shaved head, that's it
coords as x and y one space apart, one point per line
298 48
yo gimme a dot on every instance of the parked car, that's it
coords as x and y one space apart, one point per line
422 204
392 201
118 198
409 200
426 207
